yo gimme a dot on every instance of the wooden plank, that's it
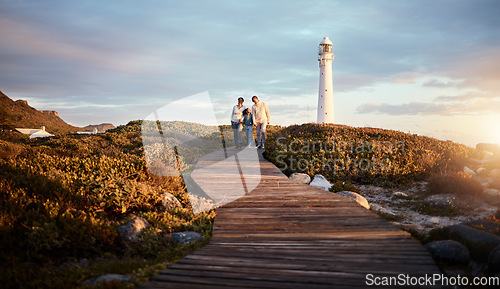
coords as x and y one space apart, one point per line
289 235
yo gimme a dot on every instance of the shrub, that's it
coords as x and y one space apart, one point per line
340 186
460 184
63 197
9 150
363 155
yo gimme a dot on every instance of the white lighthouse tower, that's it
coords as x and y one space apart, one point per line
325 95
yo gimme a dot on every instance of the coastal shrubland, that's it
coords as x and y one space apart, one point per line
364 155
62 199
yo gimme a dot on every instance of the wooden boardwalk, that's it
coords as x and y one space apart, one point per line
289 235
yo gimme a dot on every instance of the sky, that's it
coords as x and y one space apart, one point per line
428 67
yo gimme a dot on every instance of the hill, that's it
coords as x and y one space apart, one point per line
18 114
63 199
100 127
364 155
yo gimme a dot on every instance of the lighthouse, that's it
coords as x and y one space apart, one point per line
325 95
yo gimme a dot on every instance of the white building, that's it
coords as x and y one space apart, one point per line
325 95
34 133
95 131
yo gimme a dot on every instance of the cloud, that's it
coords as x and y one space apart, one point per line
439 83
412 108
476 106
153 52
468 96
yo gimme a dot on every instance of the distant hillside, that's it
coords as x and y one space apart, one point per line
100 127
18 114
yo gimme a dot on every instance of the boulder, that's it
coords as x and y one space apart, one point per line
487 155
133 229
479 243
186 237
494 260
469 171
300 178
485 225
321 182
488 147
449 251
169 202
441 200
357 197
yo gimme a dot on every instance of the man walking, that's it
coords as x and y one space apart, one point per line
261 118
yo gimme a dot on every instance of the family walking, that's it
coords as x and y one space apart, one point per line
243 117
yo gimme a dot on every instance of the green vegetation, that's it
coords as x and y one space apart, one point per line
62 199
363 155
340 186
449 211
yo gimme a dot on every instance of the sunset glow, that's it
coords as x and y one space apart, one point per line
426 67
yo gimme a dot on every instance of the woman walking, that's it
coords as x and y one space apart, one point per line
237 122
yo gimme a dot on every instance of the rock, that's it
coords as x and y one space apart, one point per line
495 174
481 171
51 112
300 178
485 225
107 279
442 200
484 181
469 171
494 260
488 147
379 209
133 229
22 102
83 262
479 243
492 192
400 195
169 202
407 226
487 155
112 277
187 237
357 197
321 182
432 221
449 251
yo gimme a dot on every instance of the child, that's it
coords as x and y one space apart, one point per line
248 122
